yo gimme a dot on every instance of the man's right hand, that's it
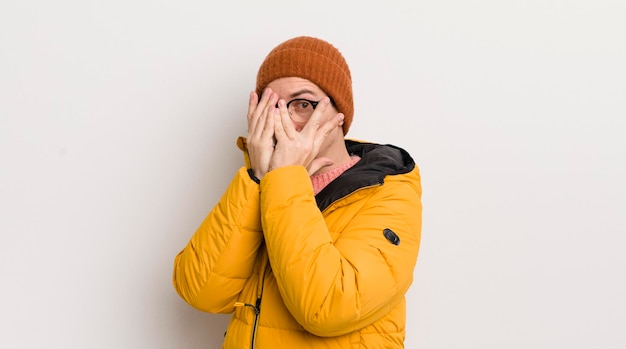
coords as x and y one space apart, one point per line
260 140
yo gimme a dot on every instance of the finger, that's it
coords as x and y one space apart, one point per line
252 103
326 129
265 96
271 101
260 115
279 129
288 127
260 126
256 108
261 103
314 122
268 129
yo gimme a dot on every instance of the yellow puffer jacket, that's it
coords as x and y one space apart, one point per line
310 271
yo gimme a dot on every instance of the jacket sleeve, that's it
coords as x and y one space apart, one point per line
211 270
334 288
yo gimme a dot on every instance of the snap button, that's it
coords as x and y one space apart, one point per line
391 236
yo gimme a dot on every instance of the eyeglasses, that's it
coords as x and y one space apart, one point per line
300 110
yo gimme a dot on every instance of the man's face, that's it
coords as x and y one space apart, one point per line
292 88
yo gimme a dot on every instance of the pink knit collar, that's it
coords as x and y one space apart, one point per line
320 181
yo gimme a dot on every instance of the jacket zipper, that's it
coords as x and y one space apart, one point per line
377 184
257 306
257 311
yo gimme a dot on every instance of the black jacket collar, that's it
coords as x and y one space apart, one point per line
377 162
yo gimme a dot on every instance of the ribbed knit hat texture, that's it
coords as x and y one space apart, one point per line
315 60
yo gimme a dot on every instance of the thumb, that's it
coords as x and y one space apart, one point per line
318 164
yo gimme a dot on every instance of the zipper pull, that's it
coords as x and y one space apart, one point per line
257 307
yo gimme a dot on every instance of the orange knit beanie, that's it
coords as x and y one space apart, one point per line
315 60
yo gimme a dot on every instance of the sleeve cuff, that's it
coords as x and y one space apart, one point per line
253 177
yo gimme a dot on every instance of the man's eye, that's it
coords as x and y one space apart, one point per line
303 105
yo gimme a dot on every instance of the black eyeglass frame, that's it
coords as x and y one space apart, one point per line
313 103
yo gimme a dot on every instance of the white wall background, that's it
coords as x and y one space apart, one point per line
117 128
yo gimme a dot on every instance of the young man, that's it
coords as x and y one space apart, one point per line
314 242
